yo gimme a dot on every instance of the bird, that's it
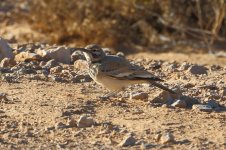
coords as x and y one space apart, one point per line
116 73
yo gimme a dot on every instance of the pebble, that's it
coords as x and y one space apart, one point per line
162 97
72 122
197 70
50 64
56 69
27 56
179 103
3 96
139 95
5 49
85 121
167 138
155 64
81 78
81 65
184 66
128 141
157 137
60 54
201 107
7 62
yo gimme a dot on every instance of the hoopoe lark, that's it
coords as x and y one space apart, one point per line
116 73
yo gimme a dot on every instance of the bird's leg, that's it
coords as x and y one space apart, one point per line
106 96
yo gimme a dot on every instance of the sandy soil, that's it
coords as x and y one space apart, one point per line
37 113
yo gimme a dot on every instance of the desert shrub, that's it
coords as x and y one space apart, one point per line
118 23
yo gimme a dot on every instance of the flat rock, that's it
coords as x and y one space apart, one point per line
128 141
139 95
85 121
27 56
197 70
179 103
202 107
5 49
60 54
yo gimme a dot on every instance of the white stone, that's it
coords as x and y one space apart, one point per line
85 121
167 138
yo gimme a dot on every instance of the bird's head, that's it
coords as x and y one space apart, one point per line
93 53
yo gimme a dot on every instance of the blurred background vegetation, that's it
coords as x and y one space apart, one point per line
135 25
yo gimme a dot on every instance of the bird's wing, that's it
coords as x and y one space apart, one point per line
122 69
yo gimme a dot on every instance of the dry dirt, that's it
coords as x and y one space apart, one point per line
37 113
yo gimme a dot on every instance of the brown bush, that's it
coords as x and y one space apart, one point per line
132 23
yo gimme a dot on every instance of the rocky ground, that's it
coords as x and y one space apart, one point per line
48 101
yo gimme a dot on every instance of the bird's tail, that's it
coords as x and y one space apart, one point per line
163 87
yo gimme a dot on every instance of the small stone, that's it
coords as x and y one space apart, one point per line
85 121
155 64
7 62
162 97
5 49
81 65
27 56
157 137
172 67
60 54
167 138
139 95
56 69
81 78
50 64
179 103
201 107
128 141
57 79
3 96
197 70
72 122
184 66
